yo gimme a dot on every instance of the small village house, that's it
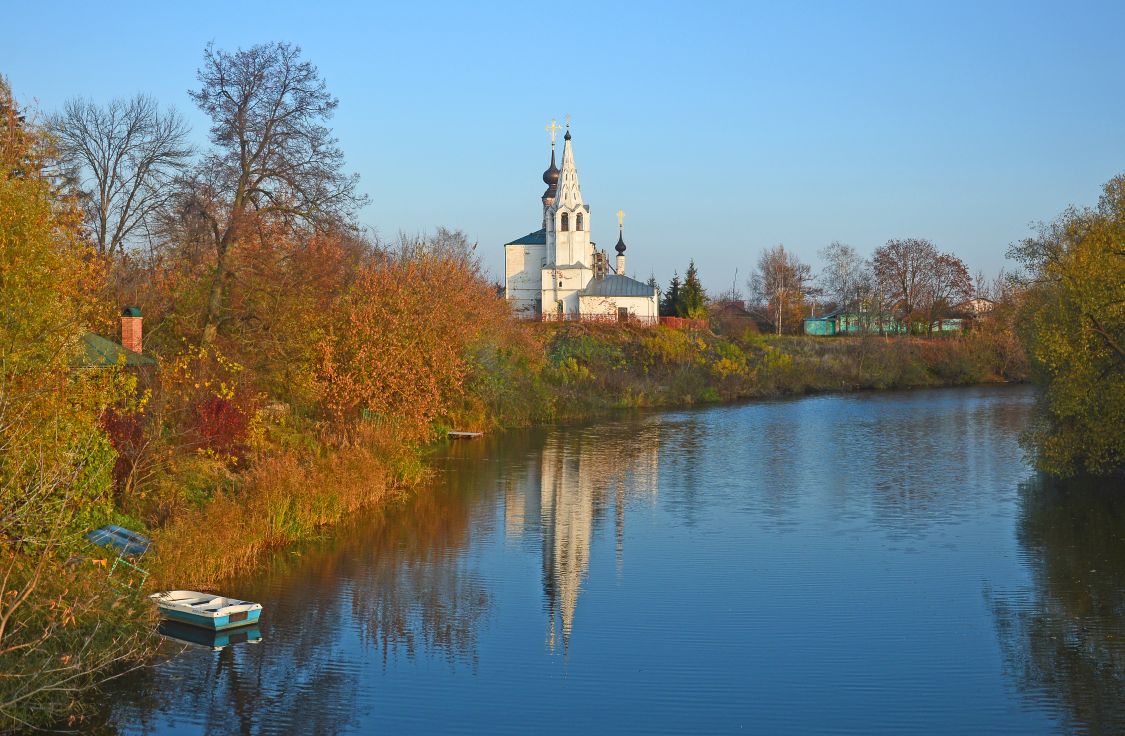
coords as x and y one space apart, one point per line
101 352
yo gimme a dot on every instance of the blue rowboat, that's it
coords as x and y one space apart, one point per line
206 610
126 541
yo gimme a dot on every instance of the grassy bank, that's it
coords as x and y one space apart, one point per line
591 368
581 371
282 498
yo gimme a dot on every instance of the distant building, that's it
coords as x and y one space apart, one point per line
101 352
730 317
557 272
853 321
975 307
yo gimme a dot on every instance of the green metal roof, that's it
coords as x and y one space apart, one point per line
539 237
617 286
98 352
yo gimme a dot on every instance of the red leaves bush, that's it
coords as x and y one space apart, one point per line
220 425
126 434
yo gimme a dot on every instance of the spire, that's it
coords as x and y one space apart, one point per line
551 175
569 192
551 179
620 248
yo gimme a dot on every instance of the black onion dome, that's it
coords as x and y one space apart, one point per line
551 175
620 247
567 136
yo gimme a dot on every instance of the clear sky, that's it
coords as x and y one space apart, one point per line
720 128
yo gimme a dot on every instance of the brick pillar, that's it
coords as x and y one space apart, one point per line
131 329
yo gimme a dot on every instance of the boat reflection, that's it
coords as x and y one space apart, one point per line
213 640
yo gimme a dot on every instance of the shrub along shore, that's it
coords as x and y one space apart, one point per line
582 371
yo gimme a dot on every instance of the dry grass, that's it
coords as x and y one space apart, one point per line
281 500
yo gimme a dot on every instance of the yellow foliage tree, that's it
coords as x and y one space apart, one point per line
55 461
1073 324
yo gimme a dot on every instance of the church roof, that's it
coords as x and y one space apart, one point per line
615 285
539 237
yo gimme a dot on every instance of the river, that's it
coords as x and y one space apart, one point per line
866 563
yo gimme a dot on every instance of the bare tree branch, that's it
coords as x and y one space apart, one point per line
121 159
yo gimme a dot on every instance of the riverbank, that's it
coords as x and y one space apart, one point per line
218 507
595 367
791 524
581 372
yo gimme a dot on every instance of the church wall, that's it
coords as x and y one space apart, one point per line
522 278
640 307
573 280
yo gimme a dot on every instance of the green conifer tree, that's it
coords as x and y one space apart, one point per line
691 295
670 303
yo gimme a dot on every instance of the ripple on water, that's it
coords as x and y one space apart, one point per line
840 564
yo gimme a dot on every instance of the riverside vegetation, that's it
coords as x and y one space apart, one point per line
304 367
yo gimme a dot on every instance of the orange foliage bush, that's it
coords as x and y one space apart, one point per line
400 335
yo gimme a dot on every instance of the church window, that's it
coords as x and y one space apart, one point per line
565 222
578 222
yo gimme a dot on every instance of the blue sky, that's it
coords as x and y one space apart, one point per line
720 128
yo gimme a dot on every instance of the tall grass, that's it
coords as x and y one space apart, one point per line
282 499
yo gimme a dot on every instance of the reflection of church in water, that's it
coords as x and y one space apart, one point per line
584 477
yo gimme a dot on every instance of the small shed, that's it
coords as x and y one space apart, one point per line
100 352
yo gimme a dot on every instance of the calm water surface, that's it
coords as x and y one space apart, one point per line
877 563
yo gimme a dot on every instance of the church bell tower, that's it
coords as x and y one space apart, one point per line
568 217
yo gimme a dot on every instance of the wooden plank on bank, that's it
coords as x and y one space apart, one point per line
465 435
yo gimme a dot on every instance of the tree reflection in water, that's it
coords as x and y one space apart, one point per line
411 591
1064 642
398 583
394 582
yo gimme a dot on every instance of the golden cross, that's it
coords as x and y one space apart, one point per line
620 219
551 129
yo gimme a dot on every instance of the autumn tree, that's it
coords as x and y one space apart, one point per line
876 301
278 307
397 351
946 283
122 158
1073 324
780 284
272 157
841 273
60 630
902 268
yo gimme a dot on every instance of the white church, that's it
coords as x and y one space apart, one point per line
557 272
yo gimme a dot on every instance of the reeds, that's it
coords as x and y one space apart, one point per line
282 499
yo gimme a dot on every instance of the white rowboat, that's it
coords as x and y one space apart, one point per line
206 610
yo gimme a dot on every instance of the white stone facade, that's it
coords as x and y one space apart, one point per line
550 273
